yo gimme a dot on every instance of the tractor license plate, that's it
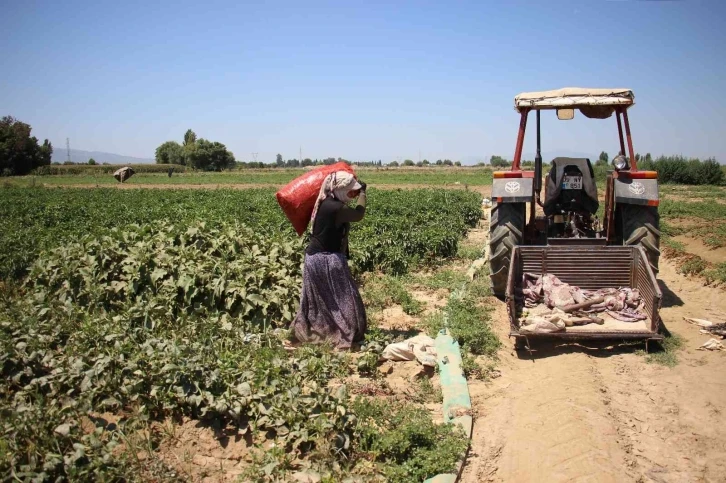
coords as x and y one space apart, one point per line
572 183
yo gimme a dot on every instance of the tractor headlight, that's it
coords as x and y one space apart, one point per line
620 162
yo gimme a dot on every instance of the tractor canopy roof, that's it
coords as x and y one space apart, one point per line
593 103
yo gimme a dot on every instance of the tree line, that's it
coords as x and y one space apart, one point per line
296 163
21 154
671 169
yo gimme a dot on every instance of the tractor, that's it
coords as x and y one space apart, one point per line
569 210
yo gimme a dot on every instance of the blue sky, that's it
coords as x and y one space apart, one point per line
373 80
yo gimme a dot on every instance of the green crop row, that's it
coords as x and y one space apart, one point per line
157 174
401 228
105 169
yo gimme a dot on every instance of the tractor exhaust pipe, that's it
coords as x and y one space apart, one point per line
538 164
537 182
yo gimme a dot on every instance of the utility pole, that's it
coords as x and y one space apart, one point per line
254 157
68 149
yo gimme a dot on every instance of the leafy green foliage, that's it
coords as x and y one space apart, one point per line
406 444
111 332
469 252
199 154
209 156
701 209
667 354
408 229
32 220
368 363
716 274
678 169
96 173
401 230
19 152
473 369
443 279
602 159
382 291
498 162
255 173
153 320
190 137
170 152
468 324
426 392
157 276
692 266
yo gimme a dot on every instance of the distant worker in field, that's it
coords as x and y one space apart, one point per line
331 307
171 170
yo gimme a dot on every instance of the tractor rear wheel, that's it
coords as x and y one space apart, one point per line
640 225
506 227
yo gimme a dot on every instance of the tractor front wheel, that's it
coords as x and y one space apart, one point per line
640 225
506 227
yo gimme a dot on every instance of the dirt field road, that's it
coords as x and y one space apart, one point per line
602 413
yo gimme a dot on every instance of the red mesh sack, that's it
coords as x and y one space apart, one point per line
297 198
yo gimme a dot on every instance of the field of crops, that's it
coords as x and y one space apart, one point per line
693 224
389 176
124 312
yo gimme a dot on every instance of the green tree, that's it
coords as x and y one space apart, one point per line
458 163
190 138
171 152
498 162
19 151
603 159
439 162
393 163
210 156
46 153
307 162
279 161
447 162
92 162
426 162
408 162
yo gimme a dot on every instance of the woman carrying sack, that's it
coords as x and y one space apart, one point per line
331 307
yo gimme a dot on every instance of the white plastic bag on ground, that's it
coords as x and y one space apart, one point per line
712 345
420 347
698 322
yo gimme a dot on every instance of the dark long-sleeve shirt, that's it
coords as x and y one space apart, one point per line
332 225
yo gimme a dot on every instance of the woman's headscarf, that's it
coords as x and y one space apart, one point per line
337 185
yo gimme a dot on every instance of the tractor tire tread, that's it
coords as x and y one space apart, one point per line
506 229
641 226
